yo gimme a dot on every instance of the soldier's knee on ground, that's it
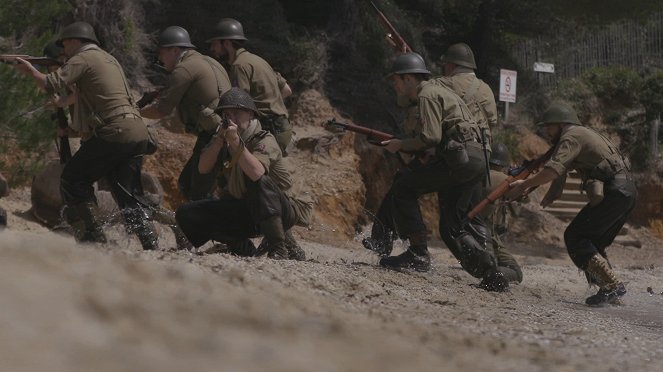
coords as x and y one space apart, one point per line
474 257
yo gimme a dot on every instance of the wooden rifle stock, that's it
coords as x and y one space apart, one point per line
41 61
147 98
64 149
520 173
392 35
375 136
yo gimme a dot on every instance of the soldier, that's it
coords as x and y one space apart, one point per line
255 76
445 124
255 181
497 215
606 180
114 137
53 51
194 86
459 65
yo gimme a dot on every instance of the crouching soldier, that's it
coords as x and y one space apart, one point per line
253 182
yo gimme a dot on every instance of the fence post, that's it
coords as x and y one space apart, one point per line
653 136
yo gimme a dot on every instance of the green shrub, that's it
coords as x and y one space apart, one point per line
614 85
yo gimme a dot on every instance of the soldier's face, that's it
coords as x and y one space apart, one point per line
239 116
70 46
403 85
554 131
217 49
169 57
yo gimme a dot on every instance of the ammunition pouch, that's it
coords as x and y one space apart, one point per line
594 190
454 150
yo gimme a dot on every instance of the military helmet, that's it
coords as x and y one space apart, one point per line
228 29
408 63
459 54
500 155
559 112
77 30
236 98
175 36
53 51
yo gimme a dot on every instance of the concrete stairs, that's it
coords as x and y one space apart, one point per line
572 201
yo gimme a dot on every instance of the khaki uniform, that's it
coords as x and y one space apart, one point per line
244 204
194 87
477 95
602 166
115 139
255 76
444 123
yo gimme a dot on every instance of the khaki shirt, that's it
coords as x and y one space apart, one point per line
254 75
439 111
477 95
196 82
263 146
103 100
583 149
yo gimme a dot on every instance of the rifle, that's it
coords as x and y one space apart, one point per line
375 137
148 97
41 61
64 150
519 173
393 37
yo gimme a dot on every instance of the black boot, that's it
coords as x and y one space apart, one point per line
407 260
295 252
272 229
494 281
91 230
415 258
382 248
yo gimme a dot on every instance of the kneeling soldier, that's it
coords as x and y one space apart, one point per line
253 180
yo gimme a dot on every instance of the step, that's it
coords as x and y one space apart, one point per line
574 196
569 204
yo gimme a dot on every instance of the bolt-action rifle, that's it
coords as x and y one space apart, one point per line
64 150
41 61
519 173
393 37
375 137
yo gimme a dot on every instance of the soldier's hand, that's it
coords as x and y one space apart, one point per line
392 145
516 189
231 134
23 66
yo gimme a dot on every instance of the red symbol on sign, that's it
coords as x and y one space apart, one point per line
507 84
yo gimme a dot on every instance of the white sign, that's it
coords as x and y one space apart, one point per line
544 67
508 85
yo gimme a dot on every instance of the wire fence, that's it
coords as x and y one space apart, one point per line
633 44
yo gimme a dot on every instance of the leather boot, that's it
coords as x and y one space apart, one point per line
494 281
91 230
295 252
415 258
610 288
272 229
383 248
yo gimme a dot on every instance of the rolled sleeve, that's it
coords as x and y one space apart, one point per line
566 152
66 76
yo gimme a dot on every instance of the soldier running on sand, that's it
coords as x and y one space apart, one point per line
455 172
606 179
255 76
114 137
